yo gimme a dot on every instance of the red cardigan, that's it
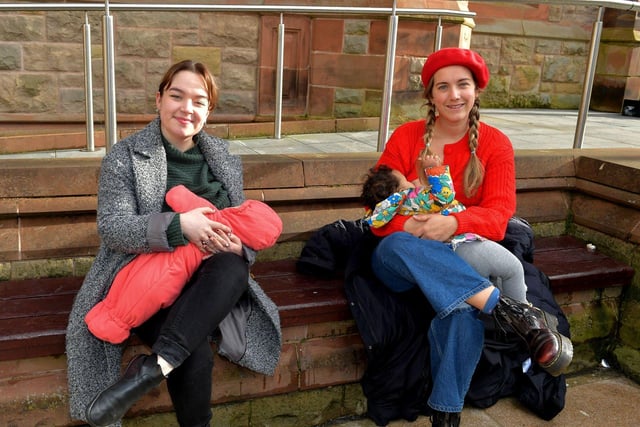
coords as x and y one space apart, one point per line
494 203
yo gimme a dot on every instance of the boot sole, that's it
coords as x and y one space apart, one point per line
562 360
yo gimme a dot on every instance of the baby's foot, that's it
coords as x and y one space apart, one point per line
431 160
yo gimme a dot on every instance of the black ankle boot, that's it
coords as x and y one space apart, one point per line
445 419
142 374
551 350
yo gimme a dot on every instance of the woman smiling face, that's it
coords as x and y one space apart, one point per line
183 107
453 93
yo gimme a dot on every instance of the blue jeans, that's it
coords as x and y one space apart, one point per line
456 335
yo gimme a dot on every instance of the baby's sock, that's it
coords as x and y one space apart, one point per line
492 301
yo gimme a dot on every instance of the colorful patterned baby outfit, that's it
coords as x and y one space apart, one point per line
437 197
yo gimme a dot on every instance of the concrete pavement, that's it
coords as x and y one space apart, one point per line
527 129
602 398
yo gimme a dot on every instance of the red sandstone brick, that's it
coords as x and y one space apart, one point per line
295 334
54 237
511 11
357 124
304 127
574 309
331 361
239 130
327 35
9 239
321 101
231 382
632 88
297 225
378 35
575 297
606 217
556 163
634 69
51 205
543 206
336 169
415 38
349 71
220 130
55 177
401 73
272 171
331 329
635 234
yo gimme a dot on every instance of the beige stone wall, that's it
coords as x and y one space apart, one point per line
537 54
42 68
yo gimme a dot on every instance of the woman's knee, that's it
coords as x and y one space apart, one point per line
393 245
399 246
230 266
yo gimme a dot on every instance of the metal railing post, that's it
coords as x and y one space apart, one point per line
437 41
383 129
277 133
110 117
585 101
110 128
88 84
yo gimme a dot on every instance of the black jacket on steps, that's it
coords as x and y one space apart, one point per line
394 326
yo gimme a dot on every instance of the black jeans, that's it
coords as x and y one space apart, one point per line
179 333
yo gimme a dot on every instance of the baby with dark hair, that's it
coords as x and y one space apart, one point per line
385 194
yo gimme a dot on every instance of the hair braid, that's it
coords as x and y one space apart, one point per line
474 172
428 136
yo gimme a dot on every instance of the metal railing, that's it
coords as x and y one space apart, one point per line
108 43
393 13
594 47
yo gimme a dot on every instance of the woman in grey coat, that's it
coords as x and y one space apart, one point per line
133 218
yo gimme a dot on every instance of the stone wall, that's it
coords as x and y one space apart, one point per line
617 76
537 55
43 72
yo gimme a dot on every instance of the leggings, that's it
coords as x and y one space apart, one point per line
494 261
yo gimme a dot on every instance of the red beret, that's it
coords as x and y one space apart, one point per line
456 56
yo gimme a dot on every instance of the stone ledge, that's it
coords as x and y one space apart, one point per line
312 351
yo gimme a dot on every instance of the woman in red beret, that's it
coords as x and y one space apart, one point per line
413 251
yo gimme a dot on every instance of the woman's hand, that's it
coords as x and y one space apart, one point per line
210 236
432 226
227 243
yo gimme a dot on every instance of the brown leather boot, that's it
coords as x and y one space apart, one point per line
551 350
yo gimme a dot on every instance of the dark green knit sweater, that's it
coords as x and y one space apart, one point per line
191 170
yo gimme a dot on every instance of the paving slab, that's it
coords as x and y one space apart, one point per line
601 397
527 129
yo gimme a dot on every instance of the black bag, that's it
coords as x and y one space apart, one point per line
499 372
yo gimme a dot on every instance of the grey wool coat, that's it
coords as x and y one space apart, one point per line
131 192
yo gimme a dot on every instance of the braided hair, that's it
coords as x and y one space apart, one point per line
474 171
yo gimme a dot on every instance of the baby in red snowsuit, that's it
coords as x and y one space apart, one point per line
153 281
